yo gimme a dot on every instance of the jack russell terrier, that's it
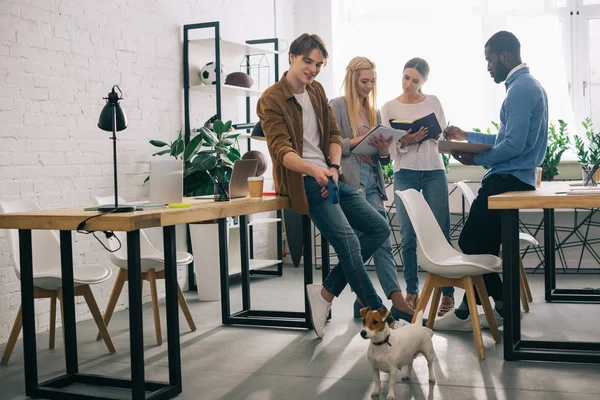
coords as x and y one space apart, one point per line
391 349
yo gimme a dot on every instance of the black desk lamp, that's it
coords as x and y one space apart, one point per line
257 132
113 119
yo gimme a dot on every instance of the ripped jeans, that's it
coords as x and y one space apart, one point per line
337 223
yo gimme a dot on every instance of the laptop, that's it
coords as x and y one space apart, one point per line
242 170
166 181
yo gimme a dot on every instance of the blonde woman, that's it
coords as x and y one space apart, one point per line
356 113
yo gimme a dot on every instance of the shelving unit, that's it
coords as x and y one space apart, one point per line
192 47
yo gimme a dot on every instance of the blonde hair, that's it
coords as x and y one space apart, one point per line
353 69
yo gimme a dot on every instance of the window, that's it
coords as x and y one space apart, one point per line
451 35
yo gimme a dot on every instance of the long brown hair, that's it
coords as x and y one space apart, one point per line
353 69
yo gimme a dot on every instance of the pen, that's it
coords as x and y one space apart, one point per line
364 126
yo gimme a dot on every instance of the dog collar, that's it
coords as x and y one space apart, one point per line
386 340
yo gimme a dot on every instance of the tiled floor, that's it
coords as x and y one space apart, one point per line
255 363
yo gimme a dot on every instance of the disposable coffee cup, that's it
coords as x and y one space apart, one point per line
255 186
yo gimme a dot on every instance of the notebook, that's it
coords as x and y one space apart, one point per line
448 146
429 121
365 149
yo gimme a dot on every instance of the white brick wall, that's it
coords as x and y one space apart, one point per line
58 58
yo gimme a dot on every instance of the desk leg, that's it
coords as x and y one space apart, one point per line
28 312
280 242
224 268
172 307
245 261
549 254
510 273
308 273
68 302
136 328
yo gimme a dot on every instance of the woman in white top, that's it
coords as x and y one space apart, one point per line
420 167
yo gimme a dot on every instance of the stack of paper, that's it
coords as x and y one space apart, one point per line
584 190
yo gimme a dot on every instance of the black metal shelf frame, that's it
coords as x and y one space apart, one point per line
247 125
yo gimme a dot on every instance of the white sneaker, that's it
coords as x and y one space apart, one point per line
450 322
319 308
499 320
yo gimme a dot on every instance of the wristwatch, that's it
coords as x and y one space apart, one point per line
336 166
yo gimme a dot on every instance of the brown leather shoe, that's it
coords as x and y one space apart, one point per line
446 305
412 299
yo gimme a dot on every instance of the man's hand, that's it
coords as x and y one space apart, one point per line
455 133
416 137
463 158
335 174
322 177
382 145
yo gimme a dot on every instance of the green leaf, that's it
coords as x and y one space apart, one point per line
158 143
160 153
177 148
218 127
227 126
192 147
235 152
226 142
147 179
203 162
222 150
232 135
208 136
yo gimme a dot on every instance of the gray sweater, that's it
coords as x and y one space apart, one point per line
351 162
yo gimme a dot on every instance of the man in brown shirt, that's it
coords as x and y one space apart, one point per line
306 148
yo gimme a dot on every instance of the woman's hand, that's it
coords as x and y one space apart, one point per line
409 138
382 145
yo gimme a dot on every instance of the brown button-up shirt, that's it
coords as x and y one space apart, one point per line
281 119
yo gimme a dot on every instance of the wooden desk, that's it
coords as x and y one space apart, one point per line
547 199
67 220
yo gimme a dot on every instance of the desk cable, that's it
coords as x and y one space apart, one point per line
109 234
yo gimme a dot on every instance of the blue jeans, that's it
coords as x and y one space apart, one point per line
434 186
383 258
337 222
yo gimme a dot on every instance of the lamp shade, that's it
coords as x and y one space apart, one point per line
257 132
105 122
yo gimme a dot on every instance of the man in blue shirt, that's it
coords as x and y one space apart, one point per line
518 149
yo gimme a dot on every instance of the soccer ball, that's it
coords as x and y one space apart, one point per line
208 74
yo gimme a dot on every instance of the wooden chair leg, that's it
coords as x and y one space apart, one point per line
523 294
468 284
12 339
93 306
487 307
185 309
52 335
425 295
151 276
114 298
525 281
435 301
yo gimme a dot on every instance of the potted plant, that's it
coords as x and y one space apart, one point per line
558 143
588 153
210 152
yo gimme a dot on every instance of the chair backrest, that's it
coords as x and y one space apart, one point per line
432 245
44 243
466 191
146 246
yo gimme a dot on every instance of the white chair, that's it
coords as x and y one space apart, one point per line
47 280
153 268
526 297
447 266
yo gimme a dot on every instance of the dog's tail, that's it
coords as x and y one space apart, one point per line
419 320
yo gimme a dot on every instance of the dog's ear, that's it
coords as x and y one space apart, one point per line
364 311
385 314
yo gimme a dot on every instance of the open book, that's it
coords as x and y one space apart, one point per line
429 121
365 149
